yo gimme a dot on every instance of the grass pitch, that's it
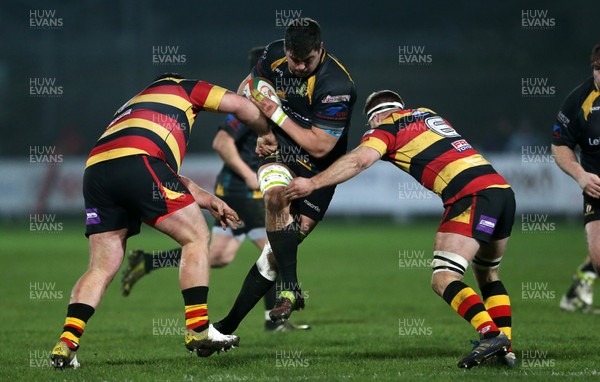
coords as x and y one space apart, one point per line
373 314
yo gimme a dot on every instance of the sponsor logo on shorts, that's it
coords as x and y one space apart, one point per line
589 209
314 207
461 145
486 224
92 216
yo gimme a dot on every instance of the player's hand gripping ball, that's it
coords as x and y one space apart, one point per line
264 86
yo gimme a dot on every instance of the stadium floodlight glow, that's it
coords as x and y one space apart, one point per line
382 107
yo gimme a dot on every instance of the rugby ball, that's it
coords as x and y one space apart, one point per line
264 86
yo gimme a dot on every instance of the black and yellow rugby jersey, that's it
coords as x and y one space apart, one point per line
324 100
426 146
578 124
157 121
229 183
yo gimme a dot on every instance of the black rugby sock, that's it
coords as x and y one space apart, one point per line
284 244
254 288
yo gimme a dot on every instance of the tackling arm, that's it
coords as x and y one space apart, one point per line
340 171
245 111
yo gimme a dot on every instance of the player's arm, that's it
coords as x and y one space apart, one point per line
245 111
566 159
346 167
217 208
224 145
566 135
317 142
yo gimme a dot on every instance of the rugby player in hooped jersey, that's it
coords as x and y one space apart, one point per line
478 218
310 132
578 124
132 175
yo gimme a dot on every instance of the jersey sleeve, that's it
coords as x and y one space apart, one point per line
333 107
567 130
234 127
204 95
381 139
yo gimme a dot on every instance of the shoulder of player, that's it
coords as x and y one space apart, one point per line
408 116
333 68
275 51
581 92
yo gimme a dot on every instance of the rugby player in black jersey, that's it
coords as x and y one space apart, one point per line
578 124
310 131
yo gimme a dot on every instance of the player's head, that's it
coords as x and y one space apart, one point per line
303 46
254 54
380 104
595 62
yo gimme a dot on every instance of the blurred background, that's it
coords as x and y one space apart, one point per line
498 73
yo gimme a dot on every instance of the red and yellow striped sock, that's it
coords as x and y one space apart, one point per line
196 309
497 303
468 305
77 317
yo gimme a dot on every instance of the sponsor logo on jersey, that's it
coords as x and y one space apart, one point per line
461 145
595 108
594 141
337 98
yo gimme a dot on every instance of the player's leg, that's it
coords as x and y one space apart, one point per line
282 229
260 279
107 226
495 296
580 295
106 255
224 246
468 224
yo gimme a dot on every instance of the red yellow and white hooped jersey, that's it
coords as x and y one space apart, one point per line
426 146
157 121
